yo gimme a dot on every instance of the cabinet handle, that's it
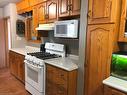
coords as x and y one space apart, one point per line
89 14
70 7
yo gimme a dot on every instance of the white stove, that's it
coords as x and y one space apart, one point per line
35 67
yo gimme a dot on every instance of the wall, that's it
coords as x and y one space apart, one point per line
1 12
10 11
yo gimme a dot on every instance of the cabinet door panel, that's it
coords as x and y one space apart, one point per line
75 7
63 8
98 58
33 2
52 7
102 11
42 13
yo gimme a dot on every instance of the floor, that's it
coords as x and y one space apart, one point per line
9 85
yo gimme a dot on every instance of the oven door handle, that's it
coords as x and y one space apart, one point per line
35 68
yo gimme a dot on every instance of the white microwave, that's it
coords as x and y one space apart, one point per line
66 29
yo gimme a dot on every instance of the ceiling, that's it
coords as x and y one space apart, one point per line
5 2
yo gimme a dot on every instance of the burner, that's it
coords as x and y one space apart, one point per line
43 55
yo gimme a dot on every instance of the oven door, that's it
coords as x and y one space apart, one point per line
35 76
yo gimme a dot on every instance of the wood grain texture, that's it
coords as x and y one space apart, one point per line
17 66
102 11
9 85
122 21
60 82
98 57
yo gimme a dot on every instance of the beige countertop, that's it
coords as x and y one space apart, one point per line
19 50
66 63
116 83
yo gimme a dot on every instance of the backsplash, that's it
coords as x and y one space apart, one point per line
72 45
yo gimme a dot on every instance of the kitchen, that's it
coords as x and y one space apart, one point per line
79 62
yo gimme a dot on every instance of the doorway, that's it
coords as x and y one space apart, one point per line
7 31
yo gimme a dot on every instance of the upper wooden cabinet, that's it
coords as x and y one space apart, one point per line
52 10
47 11
23 4
69 8
102 11
98 57
123 22
42 12
33 2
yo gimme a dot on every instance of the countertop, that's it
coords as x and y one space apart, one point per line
65 63
19 50
116 83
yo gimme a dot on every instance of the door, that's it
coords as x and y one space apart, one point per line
101 11
98 57
2 45
52 10
64 8
42 13
75 7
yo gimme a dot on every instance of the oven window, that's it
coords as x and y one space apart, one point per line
33 75
61 29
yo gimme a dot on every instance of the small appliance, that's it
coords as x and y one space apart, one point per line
66 29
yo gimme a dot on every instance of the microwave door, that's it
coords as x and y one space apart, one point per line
61 30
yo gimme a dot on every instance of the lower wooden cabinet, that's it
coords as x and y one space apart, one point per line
111 91
60 82
17 67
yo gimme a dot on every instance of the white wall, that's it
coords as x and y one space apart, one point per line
10 11
1 12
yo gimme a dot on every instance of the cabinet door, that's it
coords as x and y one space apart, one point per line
123 21
13 63
64 8
42 13
21 69
35 21
75 7
98 57
52 7
102 11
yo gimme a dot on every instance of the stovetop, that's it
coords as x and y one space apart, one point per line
43 55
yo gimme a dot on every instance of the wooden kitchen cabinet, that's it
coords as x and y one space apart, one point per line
52 10
98 57
112 91
60 82
48 11
69 8
17 68
33 2
22 5
123 22
102 11
42 13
